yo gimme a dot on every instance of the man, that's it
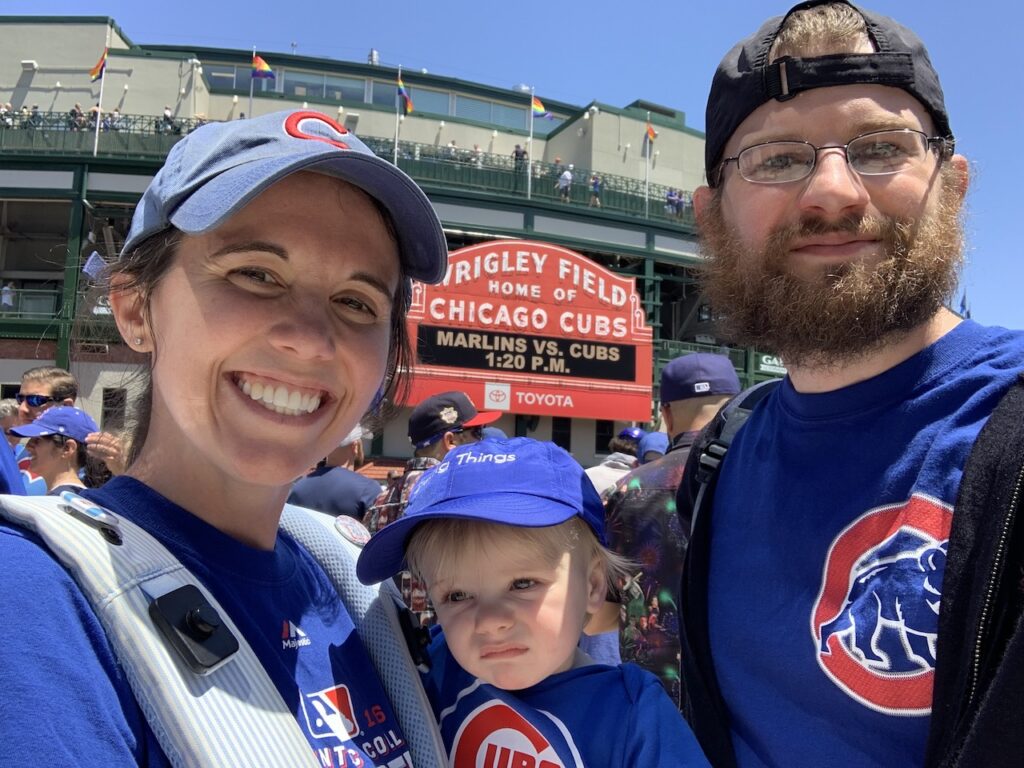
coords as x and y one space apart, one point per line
436 425
813 583
334 487
642 522
564 185
45 387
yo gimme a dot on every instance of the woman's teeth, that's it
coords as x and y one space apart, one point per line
280 399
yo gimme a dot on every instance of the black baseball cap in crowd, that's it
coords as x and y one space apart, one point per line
745 79
446 412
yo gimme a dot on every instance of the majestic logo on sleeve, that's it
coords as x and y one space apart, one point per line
496 736
875 621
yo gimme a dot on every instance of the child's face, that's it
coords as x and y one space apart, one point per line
511 617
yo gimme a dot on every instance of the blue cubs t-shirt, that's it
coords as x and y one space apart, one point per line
280 600
593 715
828 546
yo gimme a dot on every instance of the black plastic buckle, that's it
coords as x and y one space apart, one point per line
193 628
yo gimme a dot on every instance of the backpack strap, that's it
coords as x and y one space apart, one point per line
121 569
713 443
376 613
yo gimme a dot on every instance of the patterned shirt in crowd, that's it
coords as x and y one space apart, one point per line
643 525
390 506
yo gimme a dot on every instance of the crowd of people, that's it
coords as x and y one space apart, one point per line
821 570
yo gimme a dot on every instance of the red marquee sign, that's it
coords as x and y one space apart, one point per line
532 328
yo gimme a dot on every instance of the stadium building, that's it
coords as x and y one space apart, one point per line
559 309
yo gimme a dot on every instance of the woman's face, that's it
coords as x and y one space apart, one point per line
270 334
47 458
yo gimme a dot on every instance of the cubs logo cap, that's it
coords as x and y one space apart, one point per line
62 420
519 481
698 375
219 168
746 79
446 412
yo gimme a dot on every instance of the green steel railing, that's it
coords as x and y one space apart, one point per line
151 137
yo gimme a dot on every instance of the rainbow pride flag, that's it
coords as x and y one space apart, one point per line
97 72
261 69
406 98
651 133
538 108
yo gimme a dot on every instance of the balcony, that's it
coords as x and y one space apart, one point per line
145 137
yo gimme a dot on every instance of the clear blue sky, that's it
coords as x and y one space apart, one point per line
666 52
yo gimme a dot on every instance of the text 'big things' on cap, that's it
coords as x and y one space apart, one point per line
219 168
745 79
442 413
698 375
519 481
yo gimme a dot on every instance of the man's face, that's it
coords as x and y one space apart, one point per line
825 268
30 390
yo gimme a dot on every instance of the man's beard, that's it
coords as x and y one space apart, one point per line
847 310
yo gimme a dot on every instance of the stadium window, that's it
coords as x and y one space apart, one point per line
425 100
220 76
509 117
561 432
473 109
303 85
347 90
603 432
384 94
9 390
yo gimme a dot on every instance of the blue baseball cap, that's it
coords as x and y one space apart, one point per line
652 442
219 168
698 374
518 481
63 420
632 433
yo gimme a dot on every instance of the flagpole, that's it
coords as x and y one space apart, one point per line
99 105
529 150
647 169
398 117
252 78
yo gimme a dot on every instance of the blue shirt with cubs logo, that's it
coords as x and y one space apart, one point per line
66 696
828 544
593 715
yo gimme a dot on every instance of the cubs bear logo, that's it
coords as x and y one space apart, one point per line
875 622
496 736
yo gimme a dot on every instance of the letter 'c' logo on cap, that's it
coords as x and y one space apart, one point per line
297 125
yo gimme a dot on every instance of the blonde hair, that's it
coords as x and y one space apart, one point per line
447 538
826 29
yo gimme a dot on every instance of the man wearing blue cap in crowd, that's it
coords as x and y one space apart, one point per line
644 527
847 600
509 537
265 279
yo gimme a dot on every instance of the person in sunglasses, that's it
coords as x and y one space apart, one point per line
49 386
56 447
438 424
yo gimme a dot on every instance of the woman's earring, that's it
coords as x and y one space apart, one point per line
138 341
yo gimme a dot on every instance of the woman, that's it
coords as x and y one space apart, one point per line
266 277
56 446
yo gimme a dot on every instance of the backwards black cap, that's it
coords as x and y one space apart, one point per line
745 79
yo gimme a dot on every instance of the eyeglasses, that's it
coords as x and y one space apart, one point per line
878 153
34 401
477 433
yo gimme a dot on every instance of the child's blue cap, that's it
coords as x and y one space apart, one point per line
220 168
518 481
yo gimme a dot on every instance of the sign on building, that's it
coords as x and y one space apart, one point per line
533 328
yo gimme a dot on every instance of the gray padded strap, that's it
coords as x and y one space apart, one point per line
375 616
232 716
